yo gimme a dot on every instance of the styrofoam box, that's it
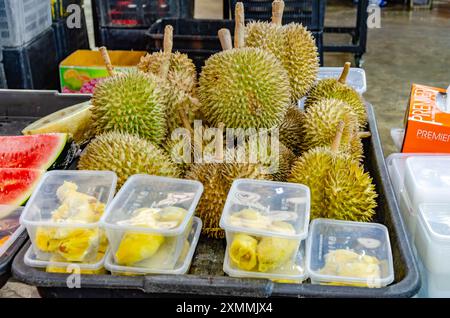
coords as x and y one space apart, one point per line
22 20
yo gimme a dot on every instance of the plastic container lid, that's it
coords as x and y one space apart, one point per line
427 179
10 228
275 201
44 201
294 273
356 77
337 250
435 219
181 267
145 191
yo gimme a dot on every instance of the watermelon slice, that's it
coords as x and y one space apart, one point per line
45 151
16 185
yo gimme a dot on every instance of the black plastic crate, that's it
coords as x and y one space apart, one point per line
310 13
59 8
140 13
197 37
33 65
122 38
69 40
206 276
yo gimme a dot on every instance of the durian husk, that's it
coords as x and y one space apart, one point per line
244 88
332 88
340 189
130 102
182 72
321 122
126 155
294 46
291 130
217 179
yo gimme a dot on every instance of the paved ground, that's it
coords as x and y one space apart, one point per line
409 47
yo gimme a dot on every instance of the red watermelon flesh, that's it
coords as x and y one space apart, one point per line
16 185
33 151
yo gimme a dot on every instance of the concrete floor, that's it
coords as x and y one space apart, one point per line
410 47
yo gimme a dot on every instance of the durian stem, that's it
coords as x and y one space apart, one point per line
225 39
168 46
107 61
338 137
219 142
343 78
185 121
239 32
277 12
364 134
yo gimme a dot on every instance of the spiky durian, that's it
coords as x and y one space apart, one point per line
292 44
126 155
217 179
182 72
321 122
290 129
244 88
131 102
337 89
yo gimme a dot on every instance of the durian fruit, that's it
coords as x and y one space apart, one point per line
180 69
136 247
273 252
130 102
337 89
243 251
217 179
126 155
321 122
291 129
340 189
279 163
292 44
244 87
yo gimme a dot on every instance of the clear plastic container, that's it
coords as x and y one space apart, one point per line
149 220
265 222
181 266
10 228
23 20
356 77
433 248
62 216
346 253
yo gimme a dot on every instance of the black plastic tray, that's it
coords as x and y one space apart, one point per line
198 37
206 277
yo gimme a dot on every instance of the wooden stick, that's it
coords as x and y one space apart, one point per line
338 137
343 78
168 46
277 12
107 61
225 39
239 32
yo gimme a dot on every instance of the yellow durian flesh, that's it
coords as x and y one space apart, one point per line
136 247
273 252
78 244
243 251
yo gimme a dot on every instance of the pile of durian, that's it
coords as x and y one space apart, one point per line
256 84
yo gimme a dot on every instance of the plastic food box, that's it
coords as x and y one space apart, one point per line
265 223
433 248
62 215
345 253
356 77
149 221
22 20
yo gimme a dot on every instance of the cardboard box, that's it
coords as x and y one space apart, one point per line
427 121
80 71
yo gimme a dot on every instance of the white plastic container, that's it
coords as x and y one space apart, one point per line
356 77
23 20
348 253
433 247
265 223
149 220
10 228
181 267
62 216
